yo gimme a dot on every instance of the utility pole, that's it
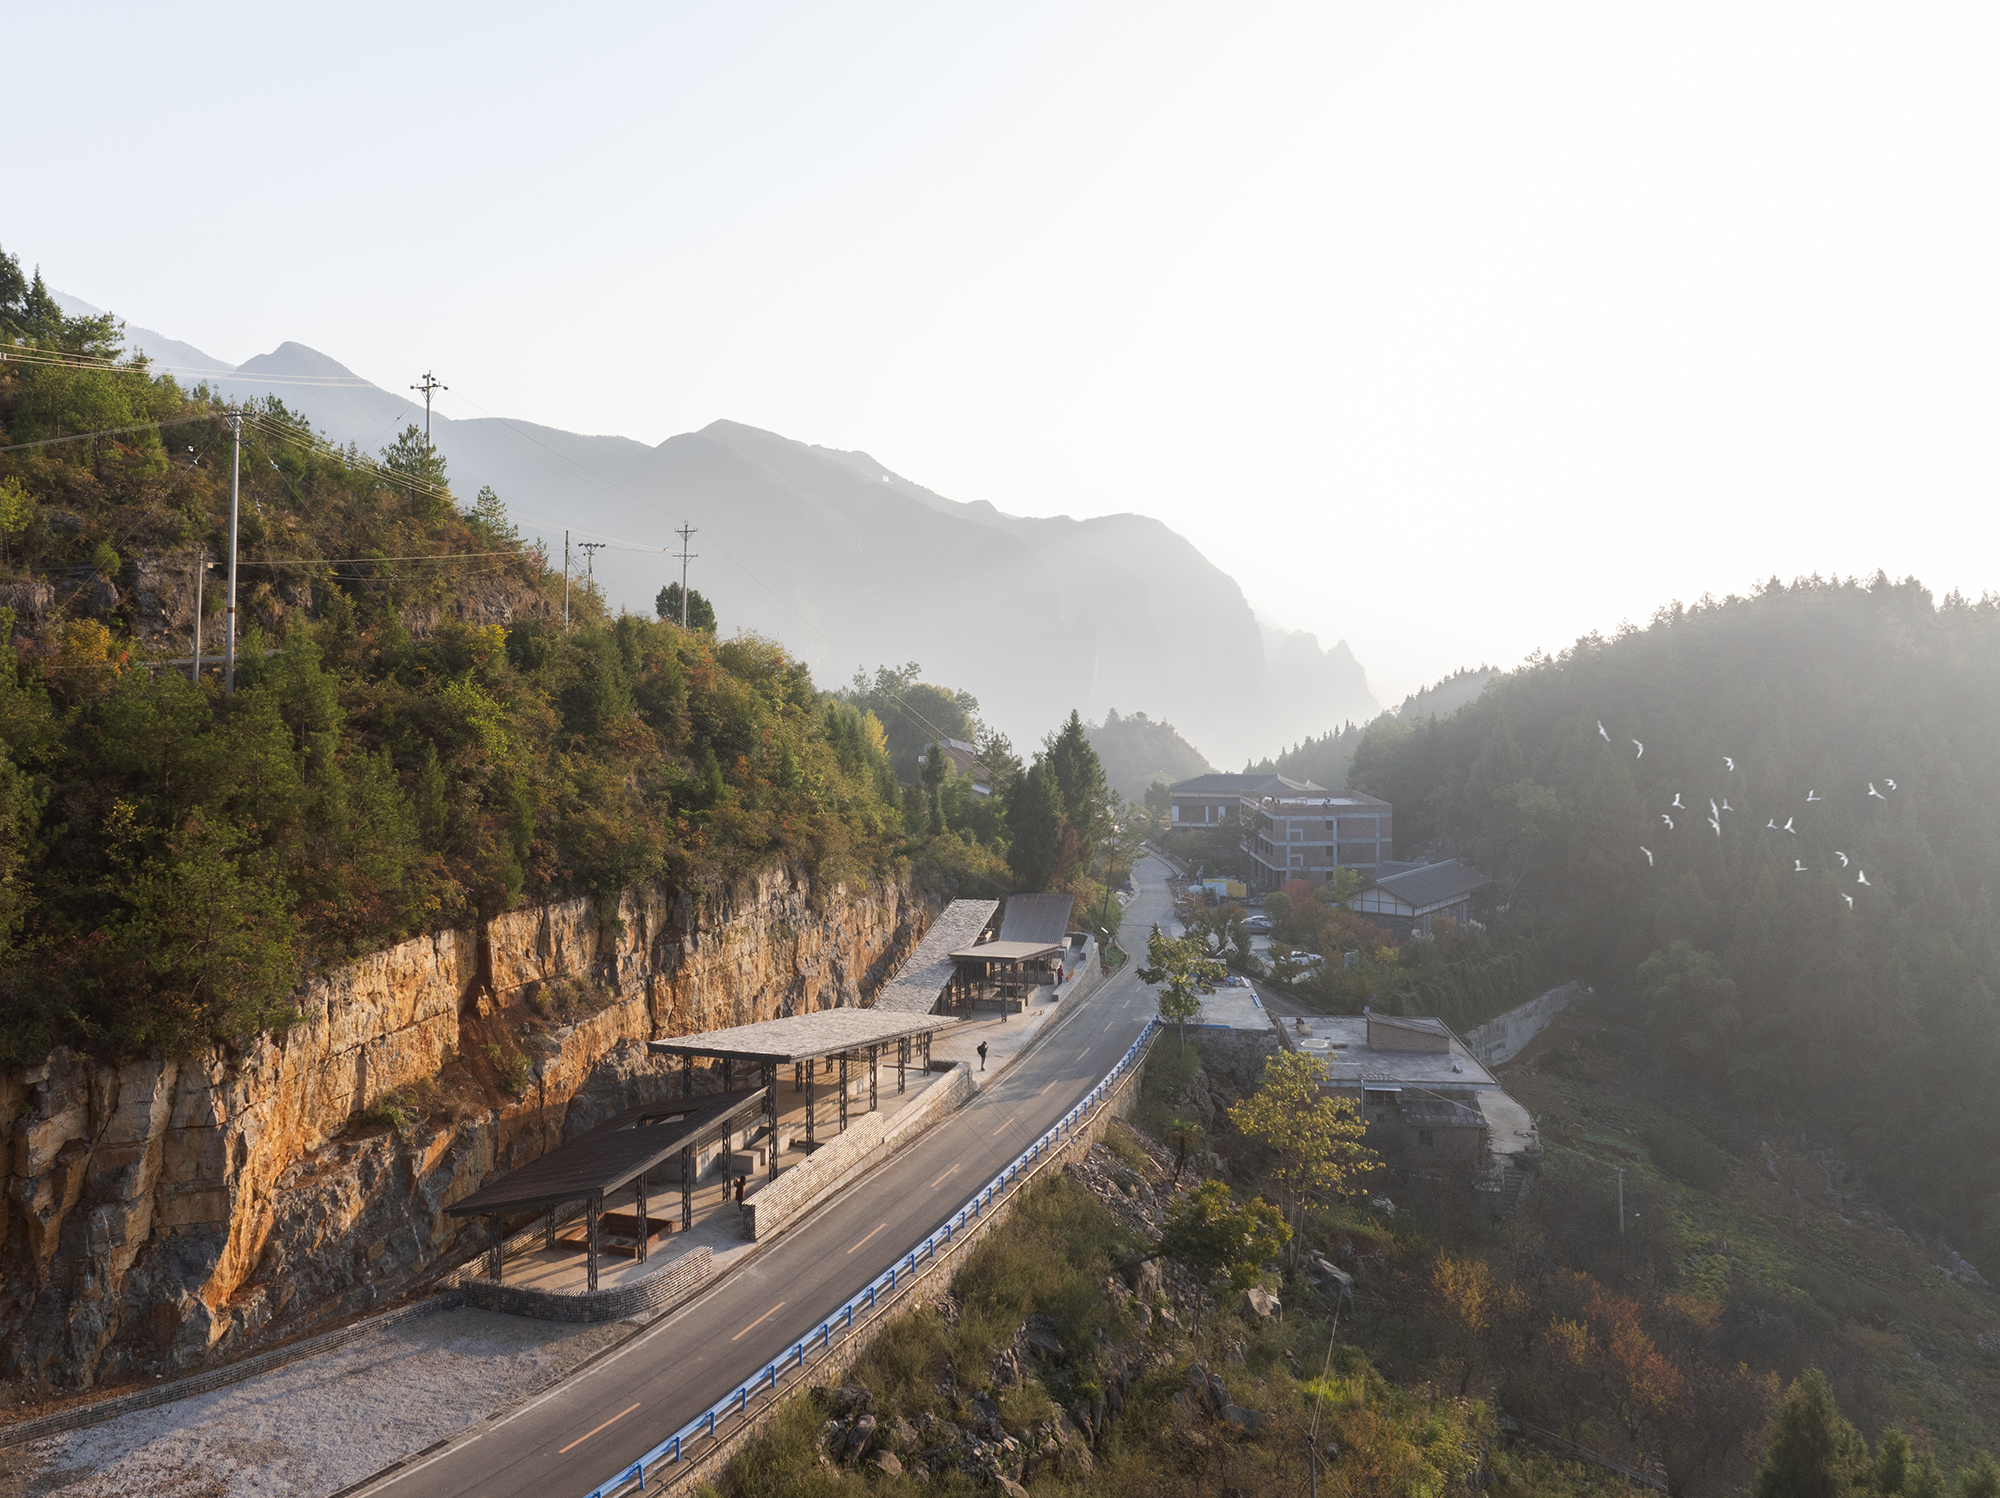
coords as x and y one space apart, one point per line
200 567
430 382
684 554
229 614
565 581
590 549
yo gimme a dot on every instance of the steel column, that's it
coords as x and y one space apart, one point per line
812 1067
843 1092
590 1244
902 1061
687 1187
874 1056
771 1117
639 1207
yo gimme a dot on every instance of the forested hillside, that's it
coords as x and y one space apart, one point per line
414 739
1860 721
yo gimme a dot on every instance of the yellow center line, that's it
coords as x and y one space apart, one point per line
871 1235
934 1184
1004 1127
1051 1084
758 1322
589 1433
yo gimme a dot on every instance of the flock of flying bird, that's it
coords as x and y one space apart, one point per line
1717 810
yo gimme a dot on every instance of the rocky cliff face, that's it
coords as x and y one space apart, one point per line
160 1214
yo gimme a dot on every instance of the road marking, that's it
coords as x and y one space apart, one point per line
934 1184
1084 1054
758 1322
1051 1084
589 1433
1004 1127
871 1235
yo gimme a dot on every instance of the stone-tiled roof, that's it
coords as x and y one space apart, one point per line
924 973
802 1037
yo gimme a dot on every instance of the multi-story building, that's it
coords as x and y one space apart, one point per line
1216 800
1291 829
1305 832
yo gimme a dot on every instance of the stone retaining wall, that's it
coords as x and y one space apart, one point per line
1502 1039
867 1142
655 1292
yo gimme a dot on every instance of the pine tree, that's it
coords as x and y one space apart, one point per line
1810 1449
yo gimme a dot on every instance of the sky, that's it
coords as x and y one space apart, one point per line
1454 331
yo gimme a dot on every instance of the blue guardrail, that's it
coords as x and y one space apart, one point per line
884 1288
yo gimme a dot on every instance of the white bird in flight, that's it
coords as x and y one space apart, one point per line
1725 804
1649 858
1891 784
1811 796
1848 898
1875 793
1788 827
1677 802
1713 809
1642 750
1716 825
1728 763
1601 733
1668 820
1862 878
1797 867
1772 825
1841 856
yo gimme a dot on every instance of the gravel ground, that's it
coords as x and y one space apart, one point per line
318 1425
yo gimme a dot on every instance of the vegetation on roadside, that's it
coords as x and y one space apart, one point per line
414 741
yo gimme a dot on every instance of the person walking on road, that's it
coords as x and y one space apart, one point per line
982 1055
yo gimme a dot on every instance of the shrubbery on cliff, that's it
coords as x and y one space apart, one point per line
426 744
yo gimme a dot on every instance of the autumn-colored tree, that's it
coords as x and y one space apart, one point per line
1465 1294
1316 1139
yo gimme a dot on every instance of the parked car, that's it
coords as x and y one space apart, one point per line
1258 923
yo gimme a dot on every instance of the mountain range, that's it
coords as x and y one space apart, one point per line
852 565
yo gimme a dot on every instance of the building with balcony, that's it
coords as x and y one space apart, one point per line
1294 831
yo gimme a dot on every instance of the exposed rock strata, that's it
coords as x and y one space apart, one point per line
159 1214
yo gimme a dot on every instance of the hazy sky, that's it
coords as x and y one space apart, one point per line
1453 331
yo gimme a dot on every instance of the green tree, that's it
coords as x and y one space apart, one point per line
937 770
412 456
1212 1234
1810 1449
700 612
1892 1462
1981 1479
1186 1136
1180 970
488 519
1035 815
1079 776
1315 1139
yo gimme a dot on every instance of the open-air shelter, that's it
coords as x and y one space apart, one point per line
1034 929
609 1158
805 1042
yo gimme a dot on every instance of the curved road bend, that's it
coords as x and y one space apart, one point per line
564 1442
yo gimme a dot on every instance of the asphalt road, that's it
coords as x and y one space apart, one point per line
569 1439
